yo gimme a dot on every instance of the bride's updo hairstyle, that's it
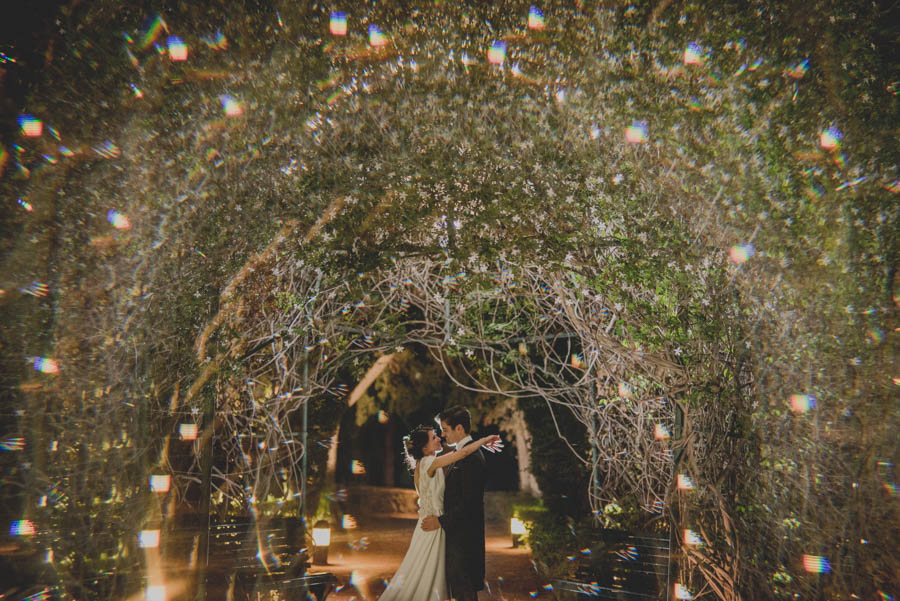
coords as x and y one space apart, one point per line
414 445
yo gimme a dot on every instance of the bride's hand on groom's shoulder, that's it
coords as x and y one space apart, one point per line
493 444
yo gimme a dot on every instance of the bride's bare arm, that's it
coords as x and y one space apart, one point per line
447 459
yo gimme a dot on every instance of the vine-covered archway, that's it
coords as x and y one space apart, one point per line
635 213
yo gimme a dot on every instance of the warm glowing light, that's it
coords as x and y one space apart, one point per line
218 42
376 37
516 526
31 127
348 522
693 54
178 50
801 403
46 365
148 539
535 18
21 528
13 443
382 417
322 536
830 139
816 564
26 205
497 53
682 593
152 30
118 220
577 361
636 133
156 593
160 482
357 467
798 70
660 432
188 431
741 252
231 106
685 482
338 25
692 538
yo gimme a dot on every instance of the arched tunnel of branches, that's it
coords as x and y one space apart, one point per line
673 223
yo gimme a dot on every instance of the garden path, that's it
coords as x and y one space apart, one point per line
388 538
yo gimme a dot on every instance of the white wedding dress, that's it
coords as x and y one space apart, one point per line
421 576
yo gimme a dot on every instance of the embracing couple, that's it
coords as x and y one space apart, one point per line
446 555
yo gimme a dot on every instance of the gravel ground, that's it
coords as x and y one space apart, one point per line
510 574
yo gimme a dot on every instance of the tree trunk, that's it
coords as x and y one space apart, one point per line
518 428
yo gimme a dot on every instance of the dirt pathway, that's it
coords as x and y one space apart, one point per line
510 574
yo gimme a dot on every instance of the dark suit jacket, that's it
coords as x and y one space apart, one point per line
463 519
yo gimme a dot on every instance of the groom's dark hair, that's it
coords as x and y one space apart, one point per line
457 416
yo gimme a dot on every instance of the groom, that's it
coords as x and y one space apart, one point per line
463 519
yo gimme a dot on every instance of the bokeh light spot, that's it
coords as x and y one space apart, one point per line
338 23
178 50
636 133
816 564
31 127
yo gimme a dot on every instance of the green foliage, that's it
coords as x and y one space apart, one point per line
533 167
563 482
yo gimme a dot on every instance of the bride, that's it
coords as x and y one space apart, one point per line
421 575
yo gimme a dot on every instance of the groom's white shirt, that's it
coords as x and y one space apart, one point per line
463 442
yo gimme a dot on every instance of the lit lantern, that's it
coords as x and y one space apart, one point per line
517 529
148 539
156 593
321 540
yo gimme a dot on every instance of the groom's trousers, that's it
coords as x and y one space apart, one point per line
458 580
